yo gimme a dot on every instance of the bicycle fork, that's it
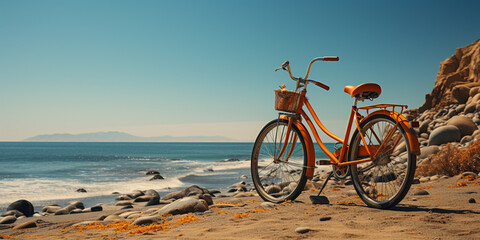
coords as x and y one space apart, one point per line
287 140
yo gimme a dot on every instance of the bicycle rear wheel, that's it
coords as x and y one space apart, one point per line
278 179
383 182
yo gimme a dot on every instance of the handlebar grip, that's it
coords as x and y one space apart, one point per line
320 84
331 58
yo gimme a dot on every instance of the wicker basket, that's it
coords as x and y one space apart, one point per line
287 101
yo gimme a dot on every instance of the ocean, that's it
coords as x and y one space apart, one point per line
51 172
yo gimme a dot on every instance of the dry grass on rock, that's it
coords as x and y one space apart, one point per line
452 161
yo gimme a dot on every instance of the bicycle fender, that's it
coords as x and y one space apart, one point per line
310 149
412 137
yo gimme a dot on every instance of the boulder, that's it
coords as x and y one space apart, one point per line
464 124
182 206
461 93
22 206
444 134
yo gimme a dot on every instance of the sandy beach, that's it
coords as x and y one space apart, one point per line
445 213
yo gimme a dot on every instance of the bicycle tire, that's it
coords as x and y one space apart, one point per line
384 182
279 181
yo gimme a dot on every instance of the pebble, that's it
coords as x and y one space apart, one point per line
325 218
419 192
472 200
267 205
302 230
424 179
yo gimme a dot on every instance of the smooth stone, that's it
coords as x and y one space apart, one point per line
81 190
123 197
153 201
15 213
471 200
208 198
147 220
157 177
425 152
460 108
123 203
85 223
267 205
126 214
273 189
143 198
424 179
134 216
77 204
464 124
419 192
137 193
424 126
184 205
126 207
75 211
22 206
8 219
29 224
51 209
114 217
325 218
151 192
444 134
302 230
97 208
244 176
434 178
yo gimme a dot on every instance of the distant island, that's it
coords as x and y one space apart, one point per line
121 137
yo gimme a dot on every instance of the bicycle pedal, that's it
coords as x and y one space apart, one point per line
319 200
324 162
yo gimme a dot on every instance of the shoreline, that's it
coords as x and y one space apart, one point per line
444 213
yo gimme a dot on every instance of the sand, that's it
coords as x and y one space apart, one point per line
443 214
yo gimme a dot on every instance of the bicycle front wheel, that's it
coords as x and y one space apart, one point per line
279 175
383 182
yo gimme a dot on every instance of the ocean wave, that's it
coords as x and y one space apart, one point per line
41 190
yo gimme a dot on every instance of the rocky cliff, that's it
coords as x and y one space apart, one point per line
458 80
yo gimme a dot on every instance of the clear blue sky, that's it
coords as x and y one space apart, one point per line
153 68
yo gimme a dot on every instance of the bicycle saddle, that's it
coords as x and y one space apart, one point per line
364 91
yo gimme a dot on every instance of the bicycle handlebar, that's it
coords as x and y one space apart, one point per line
286 66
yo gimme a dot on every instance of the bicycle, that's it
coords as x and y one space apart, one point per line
380 157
